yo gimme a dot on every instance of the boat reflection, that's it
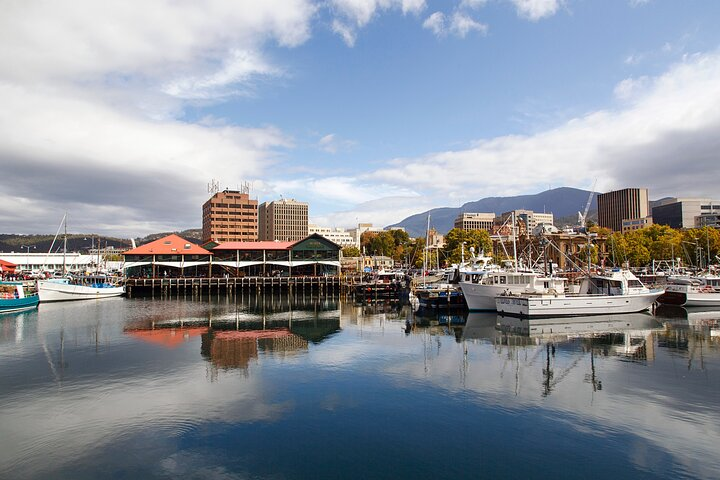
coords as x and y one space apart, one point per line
627 335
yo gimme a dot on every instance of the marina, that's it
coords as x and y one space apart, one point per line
191 385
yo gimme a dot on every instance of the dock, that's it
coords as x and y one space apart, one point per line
204 284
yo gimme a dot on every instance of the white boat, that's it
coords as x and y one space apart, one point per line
78 288
617 292
480 287
698 291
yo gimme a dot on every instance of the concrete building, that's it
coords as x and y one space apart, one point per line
616 206
526 220
475 221
230 216
284 220
338 236
686 212
356 233
630 224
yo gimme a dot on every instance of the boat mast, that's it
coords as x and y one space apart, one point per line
427 240
514 242
64 245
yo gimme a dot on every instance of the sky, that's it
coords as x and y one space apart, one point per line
121 112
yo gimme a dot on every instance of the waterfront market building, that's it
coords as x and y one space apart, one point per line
172 256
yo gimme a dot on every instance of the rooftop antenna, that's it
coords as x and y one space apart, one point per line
213 187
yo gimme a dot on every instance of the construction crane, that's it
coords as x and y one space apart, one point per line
582 217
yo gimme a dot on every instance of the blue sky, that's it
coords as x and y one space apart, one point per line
121 112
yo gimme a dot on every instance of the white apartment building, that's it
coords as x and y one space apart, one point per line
338 236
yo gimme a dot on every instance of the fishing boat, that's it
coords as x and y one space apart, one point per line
615 292
688 291
480 288
14 297
79 288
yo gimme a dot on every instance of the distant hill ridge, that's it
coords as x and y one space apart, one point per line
563 203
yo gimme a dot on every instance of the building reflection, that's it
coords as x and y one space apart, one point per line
236 330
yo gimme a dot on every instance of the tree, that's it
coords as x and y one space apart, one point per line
351 252
477 239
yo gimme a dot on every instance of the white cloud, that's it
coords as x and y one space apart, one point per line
88 39
459 24
347 33
238 67
332 143
91 92
462 24
351 15
536 9
435 23
630 87
98 160
473 4
638 3
665 138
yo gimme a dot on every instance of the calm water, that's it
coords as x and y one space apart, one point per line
279 388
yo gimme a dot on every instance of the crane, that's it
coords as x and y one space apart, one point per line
582 217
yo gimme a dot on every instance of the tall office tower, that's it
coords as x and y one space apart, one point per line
283 220
230 216
614 207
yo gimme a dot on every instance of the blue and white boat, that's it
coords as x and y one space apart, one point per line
14 298
78 288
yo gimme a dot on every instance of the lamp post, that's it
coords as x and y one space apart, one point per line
29 267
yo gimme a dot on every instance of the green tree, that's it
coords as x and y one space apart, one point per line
477 239
351 252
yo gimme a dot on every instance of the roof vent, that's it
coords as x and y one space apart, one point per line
167 242
187 246
173 249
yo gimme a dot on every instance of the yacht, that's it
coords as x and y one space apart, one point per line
480 287
614 292
689 291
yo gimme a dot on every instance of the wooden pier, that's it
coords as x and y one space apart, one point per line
167 285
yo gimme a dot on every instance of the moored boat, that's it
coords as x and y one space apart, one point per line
698 291
15 298
78 288
616 292
481 287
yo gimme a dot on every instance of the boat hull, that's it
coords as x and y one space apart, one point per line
8 305
481 297
573 305
689 298
59 292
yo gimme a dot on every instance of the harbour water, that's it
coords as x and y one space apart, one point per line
305 387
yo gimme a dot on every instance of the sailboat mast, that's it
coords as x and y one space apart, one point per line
64 270
514 241
427 240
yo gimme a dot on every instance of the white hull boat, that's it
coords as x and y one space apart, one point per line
480 289
619 292
63 290
703 291
574 305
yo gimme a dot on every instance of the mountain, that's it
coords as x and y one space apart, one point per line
563 203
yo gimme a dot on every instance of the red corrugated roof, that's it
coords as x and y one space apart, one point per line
170 245
255 246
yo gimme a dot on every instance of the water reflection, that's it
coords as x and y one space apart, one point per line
167 386
235 330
